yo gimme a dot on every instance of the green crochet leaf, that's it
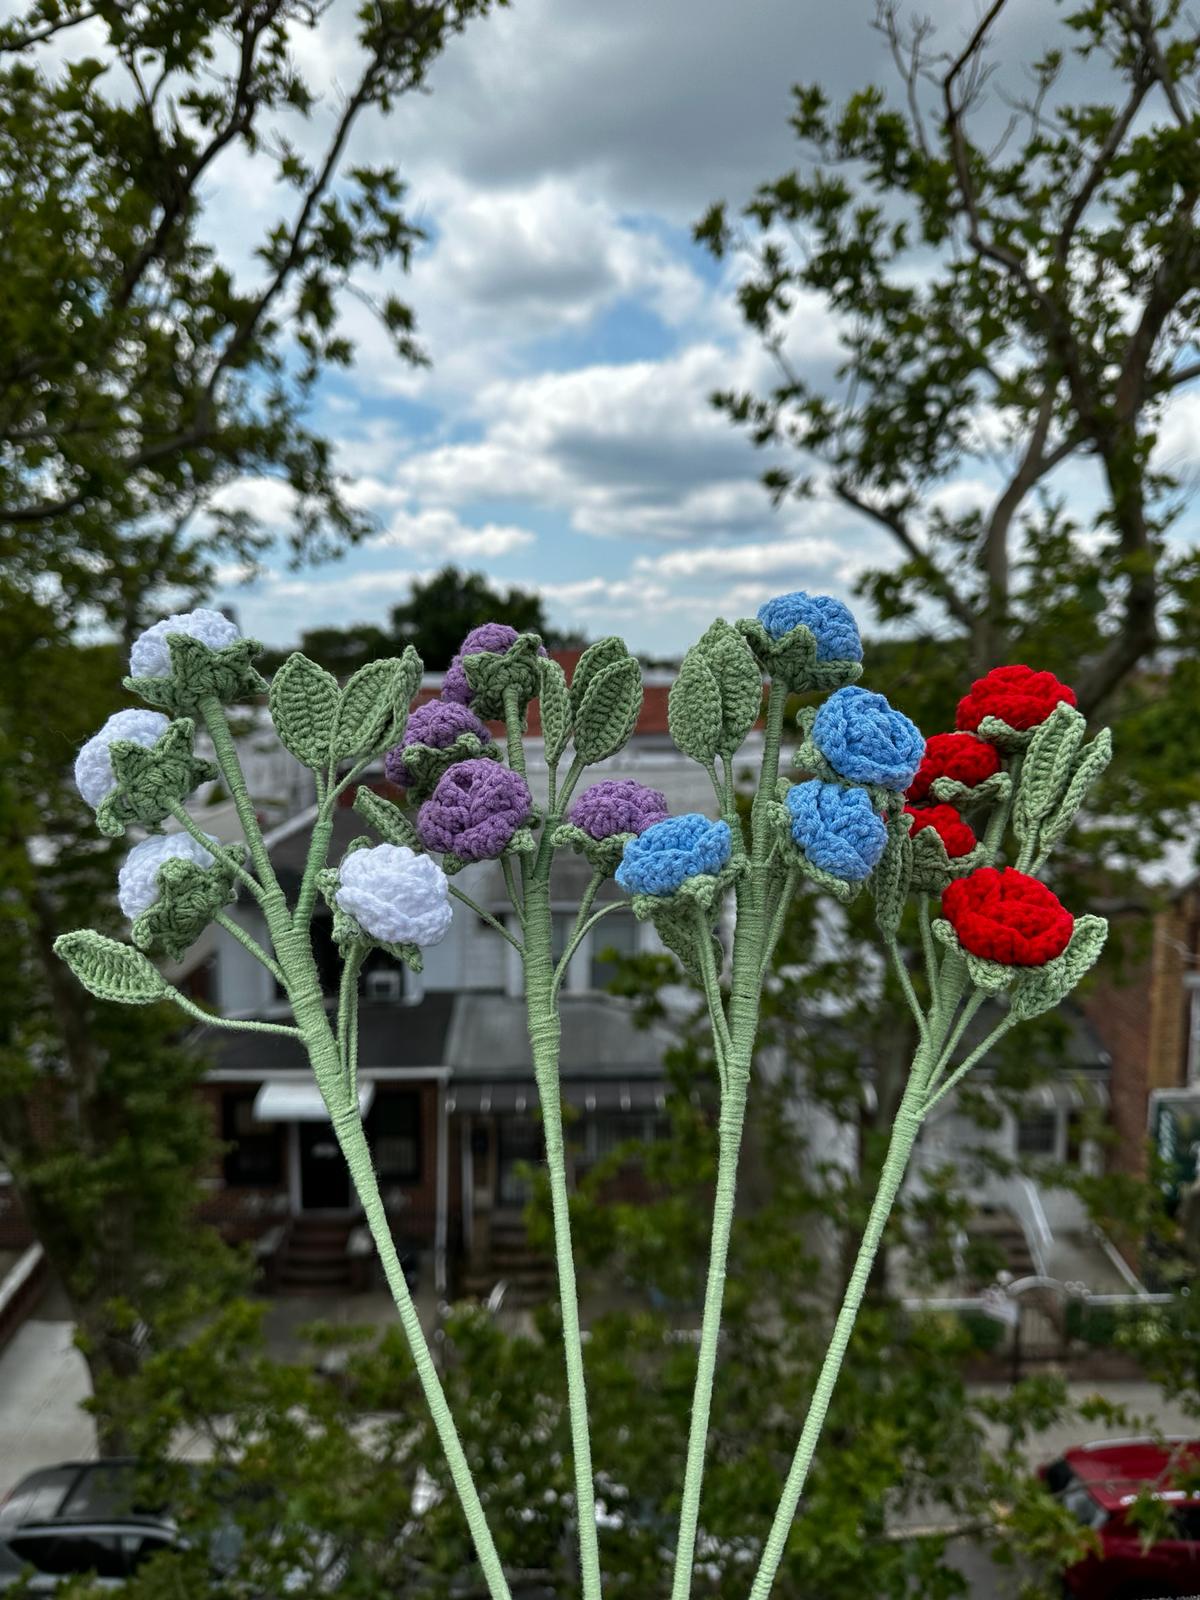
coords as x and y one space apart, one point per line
792 660
694 712
603 854
391 824
189 897
593 660
933 868
990 976
739 679
492 675
200 673
1088 768
367 709
609 711
110 970
522 843
892 878
554 702
304 703
151 781
992 791
1046 770
1002 736
1040 989
426 764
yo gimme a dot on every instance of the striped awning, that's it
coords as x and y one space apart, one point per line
521 1099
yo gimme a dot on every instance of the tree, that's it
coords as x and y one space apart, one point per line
438 614
1013 282
138 379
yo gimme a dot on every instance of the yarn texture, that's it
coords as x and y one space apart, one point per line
830 622
962 757
94 776
1017 696
475 810
957 836
670 852
837 828
617 805
395 895
1008 917
151 656
436 725
865 740
137 882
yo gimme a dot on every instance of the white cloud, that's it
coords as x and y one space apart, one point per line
439 534
800 558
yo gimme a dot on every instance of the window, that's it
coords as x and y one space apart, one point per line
65 1553
394 1130
255 1157
520 1145
618 932
38 1496
561 924
1037 1133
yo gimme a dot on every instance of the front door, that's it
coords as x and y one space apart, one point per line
324 1176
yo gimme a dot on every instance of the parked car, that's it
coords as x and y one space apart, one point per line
1100 1484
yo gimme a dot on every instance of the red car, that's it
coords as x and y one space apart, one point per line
1099 1483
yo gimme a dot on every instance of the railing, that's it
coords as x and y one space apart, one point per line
21 1290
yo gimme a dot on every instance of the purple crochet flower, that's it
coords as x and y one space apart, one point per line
438 723
618 805
475 810
492 637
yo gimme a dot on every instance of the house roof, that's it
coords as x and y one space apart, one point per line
390 1035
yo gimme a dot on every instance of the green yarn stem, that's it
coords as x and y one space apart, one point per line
191 826
484 916
751 953
248 942
334 1070
904 1135
977 1054
318 849
545 1039
233 1024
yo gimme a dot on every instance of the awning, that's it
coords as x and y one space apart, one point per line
521 1099
300 1102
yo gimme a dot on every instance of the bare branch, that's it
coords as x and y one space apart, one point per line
892 518
25 41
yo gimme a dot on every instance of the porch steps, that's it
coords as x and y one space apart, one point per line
1001 1228
528 1276
314 1257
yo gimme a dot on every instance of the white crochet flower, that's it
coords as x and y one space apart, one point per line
93 765
150 657
395 895
137 881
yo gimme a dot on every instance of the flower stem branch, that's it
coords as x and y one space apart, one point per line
190 826
248 942
977 1054
234 1024
485 916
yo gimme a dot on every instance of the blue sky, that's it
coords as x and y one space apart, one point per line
563 438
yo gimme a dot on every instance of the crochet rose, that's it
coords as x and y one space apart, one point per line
137 882
475 810
490 638
395 895
618 805
94 776
830 622
150 656
437 724
1006 916
957 835
962 757
670 852
1018 697
837 828
865 741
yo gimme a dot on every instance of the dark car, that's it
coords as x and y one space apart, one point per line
1100 1484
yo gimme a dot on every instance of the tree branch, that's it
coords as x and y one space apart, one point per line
890 518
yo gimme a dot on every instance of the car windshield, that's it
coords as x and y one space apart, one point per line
1075 1496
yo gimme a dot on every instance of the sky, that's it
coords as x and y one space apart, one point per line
563 438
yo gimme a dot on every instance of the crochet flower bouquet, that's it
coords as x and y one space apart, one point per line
960 825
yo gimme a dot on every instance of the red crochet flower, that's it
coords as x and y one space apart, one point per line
1016 695
1007 916
962 756
955 834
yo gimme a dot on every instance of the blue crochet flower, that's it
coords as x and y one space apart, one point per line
837 828
669 852
865 741
831 623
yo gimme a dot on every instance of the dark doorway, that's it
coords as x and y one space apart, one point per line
324 1177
